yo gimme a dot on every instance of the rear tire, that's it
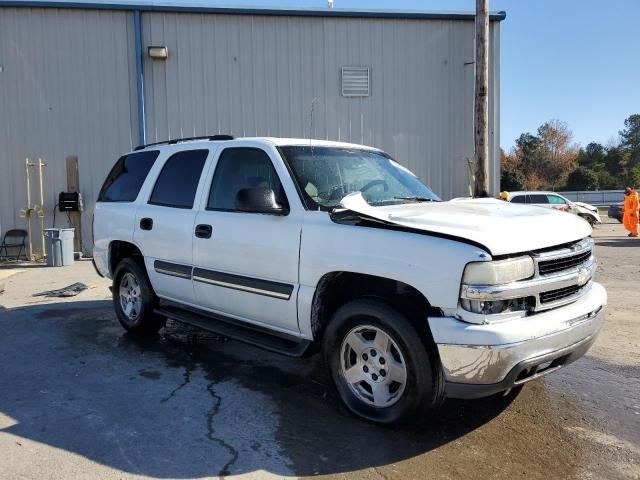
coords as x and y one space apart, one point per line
380 363
134 299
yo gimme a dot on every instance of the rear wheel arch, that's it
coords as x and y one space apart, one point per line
119 250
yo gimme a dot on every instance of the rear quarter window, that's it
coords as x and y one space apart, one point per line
518 199
127 176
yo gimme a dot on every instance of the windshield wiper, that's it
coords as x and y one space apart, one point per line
416 199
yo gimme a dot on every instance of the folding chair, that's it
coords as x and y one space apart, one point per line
14 239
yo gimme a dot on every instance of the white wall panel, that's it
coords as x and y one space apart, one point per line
67 87
259 75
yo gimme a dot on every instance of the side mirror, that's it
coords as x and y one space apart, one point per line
259 200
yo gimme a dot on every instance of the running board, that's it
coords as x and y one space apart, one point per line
228 327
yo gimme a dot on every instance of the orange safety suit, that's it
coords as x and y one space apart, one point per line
630 217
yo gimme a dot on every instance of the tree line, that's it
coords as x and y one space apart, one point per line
549 160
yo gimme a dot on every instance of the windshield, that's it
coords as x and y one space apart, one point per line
326 174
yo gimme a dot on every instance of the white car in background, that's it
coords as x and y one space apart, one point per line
557 202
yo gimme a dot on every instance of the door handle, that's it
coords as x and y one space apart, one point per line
204 231
146 223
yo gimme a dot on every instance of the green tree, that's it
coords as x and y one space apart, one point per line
615 162
634 177
527 157
606 181
512 180
630 137
592 156
582 178
631 134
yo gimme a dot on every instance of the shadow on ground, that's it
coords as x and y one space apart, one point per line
189 404
619 242
9 265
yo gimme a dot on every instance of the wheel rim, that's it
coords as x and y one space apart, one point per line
373 366
130 296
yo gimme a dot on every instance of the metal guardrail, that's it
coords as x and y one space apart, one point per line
602 198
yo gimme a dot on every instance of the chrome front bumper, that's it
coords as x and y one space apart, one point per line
480 360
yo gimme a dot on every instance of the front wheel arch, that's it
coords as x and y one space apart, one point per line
334 289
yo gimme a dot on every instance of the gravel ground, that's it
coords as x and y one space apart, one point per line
79 398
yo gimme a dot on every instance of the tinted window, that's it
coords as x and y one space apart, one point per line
240 168
178 181
538 198
127 176
519 199
556 200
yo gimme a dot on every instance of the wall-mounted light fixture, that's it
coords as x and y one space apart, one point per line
158 53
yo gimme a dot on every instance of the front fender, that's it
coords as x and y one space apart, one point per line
432 265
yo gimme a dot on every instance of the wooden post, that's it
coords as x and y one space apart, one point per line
29 208
40 209
481 188
73 185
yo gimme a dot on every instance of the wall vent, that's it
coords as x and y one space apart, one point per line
355 82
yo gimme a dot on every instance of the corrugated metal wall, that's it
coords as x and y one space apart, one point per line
68 87
256 75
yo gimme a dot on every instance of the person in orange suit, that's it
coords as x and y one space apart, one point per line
630 217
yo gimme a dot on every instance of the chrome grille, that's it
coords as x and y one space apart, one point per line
547 267
563 274
559 262
560 293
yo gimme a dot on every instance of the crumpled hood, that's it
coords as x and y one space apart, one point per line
501 227
586 206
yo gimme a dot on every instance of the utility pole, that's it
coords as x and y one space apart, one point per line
481 132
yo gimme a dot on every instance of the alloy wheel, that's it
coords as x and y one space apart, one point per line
130 296
373 366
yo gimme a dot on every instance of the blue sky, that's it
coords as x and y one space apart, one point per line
575 60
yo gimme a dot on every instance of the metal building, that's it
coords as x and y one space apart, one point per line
78 79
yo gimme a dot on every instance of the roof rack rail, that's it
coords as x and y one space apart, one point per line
187 139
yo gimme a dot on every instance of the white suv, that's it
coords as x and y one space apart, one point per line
558 202
301 246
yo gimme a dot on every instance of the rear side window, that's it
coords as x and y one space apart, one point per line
240 168
538 198
127 176
519 199
178 181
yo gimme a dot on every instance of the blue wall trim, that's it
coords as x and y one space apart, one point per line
290 12
137 25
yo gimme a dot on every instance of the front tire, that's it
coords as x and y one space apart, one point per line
380 363
134 299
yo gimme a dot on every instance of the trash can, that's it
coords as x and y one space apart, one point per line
59 246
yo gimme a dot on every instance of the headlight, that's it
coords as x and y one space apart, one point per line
498 272
499 306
